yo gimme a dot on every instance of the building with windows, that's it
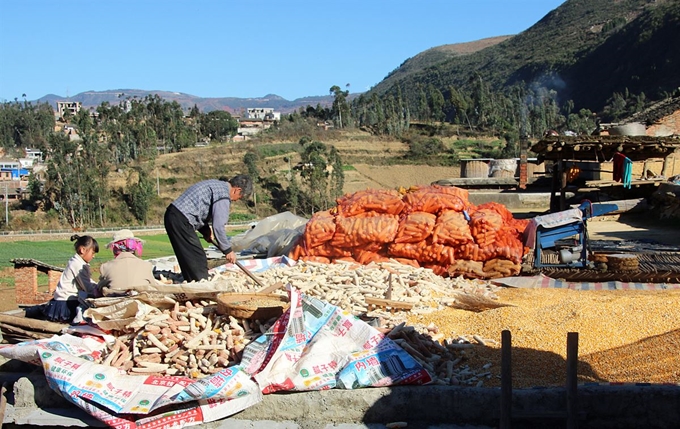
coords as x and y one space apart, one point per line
72 107
263 113
34 154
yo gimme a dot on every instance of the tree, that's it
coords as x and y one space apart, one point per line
219 124
76 183
140 193
322 178
340 106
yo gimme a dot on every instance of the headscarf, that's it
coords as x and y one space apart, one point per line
133 245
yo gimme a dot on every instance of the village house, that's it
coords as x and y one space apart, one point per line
71 107
254 121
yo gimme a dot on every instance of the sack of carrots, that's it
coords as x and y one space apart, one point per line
473 252
371 200
320 259
451 228
319 229
498 267
428 226
434 199
329 251
519 225
484 224
415 227
365 257
424 252
467 269
369 227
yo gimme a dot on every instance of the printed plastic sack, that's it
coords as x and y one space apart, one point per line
312 343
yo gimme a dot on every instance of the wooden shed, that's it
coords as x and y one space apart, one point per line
566 151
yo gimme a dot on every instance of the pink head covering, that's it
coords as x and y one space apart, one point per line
125 241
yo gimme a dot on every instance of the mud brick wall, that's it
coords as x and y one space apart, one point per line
26 285
665 126
53 280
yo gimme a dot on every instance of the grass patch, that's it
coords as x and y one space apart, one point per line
348 167
277 149
58 252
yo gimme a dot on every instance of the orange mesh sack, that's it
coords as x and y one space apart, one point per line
297 251
499 208
467 269
365 257
319 229
474 252
463 194
320 259
499 267
437 269
347 259
425 252
365 228
484 223
371 200
415 227
519 225
431 199
329 251
508 245
451 228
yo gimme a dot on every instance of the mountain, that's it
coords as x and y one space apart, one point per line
234 105
585 50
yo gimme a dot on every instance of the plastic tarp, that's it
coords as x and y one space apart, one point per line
273 236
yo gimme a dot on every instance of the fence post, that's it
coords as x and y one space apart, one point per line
572 386
506 379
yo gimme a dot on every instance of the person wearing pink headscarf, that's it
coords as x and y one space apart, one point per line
127 271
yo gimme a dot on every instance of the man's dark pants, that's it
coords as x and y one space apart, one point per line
187 246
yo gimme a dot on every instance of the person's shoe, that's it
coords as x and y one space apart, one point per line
35 312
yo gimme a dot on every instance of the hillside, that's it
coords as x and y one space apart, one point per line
585 50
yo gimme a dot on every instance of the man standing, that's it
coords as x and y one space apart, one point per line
204 203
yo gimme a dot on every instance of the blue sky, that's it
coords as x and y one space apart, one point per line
211 48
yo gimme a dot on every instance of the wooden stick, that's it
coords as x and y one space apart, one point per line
249 274
13 330
572 380
33 324
506 379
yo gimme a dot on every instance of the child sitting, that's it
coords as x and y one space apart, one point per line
75 283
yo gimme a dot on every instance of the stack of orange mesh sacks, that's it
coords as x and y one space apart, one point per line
434 227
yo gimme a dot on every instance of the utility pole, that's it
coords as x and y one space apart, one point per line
6 206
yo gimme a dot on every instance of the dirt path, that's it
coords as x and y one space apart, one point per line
393 176
635 228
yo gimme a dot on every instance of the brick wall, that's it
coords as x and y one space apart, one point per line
26 285
53 280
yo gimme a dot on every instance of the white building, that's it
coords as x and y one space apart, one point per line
264 113
34 154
